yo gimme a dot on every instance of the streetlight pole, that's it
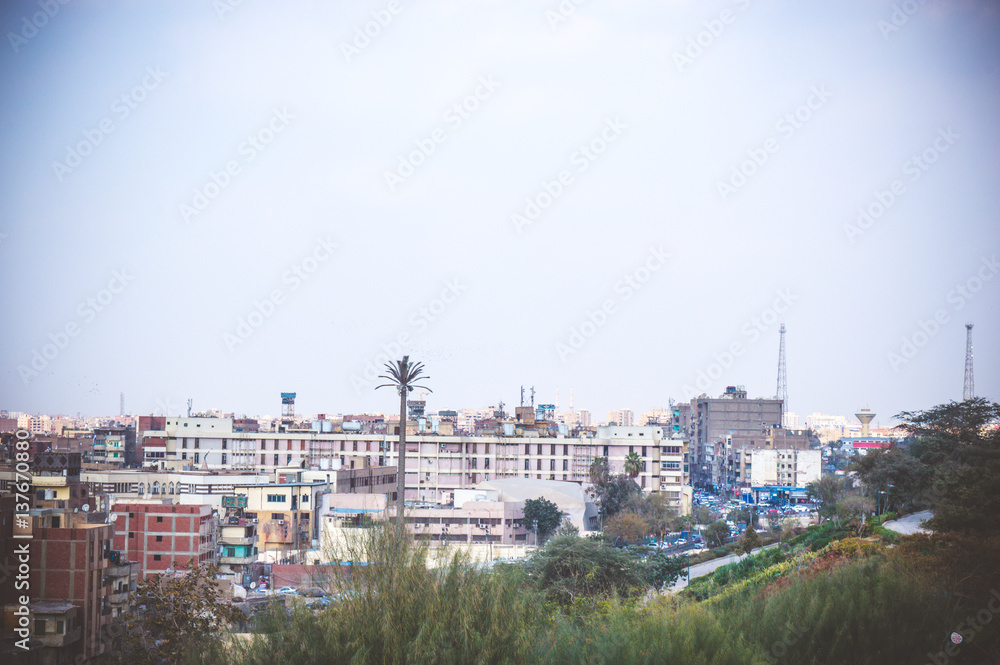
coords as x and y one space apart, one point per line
536 534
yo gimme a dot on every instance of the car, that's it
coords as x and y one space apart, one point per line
287 589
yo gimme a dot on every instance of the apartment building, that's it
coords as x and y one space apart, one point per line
436 465
164 536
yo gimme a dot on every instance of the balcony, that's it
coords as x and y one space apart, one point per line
237 560
118 598
237 540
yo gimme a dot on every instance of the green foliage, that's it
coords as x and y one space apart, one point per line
701 514
865 612
749 541
828 490
716 533
547 514
661 571
170 614
633 464
611 492
570 568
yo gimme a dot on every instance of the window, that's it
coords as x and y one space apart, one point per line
156 487
552 465
288 459
184 442
552 449
184 455
605 451
159 539
565 465
60 626
197 442
223 458
644 451
196 457
275 498
39 626
157 557
474 460
305 497
486 463
159 519
539 465
276 459
565 449
225 444
527 465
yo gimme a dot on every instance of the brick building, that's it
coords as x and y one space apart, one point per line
159 536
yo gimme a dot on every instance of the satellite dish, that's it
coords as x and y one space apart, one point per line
85 508
253 585
76 510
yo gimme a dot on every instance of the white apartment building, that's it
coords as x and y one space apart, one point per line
436 465
790 468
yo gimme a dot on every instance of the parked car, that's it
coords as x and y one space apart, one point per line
287 589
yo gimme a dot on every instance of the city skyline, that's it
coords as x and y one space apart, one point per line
223 202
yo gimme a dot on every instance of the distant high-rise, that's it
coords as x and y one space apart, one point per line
969 391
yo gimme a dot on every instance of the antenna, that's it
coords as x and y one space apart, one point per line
522 395
969 391
532 397
782 392
190 404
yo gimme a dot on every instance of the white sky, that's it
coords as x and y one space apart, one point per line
338 121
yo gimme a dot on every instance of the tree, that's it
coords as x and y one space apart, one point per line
749 541
895 472
960 443
570 568
660 570
613 493
743 516
656 510
546 513
599 470
626 527
827 490
633 464
172 613
716 534
701 514
853 509
403 376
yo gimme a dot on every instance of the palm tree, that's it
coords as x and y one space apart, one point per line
633 464
403 376
598 470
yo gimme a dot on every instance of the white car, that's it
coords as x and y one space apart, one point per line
287 589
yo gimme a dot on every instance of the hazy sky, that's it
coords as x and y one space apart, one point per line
225 201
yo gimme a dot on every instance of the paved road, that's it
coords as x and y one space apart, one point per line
707 567
910 524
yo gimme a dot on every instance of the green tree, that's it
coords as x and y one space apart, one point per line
569 568
960 443
743 516
660 570
749 541
827 490
716 534
546 513
701 514
893 477
633 464
171 614
613 492
403 376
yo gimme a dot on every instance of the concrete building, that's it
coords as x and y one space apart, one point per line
285 516
621 417
437 465
708 421
164 536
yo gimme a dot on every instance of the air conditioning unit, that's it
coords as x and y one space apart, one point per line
281 521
